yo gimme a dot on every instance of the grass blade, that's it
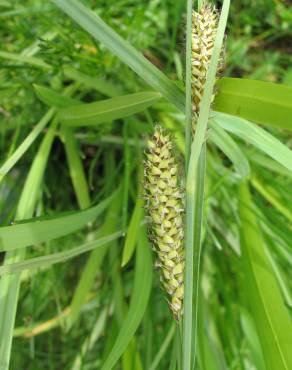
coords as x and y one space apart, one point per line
107 110
9 285
27 142
102 86
256 136
25 145
33 61
41 230
163 348
76 168
230 148
133 230
139 300
270 314
97 28
258 101
94 262
59 257
53 98
90 341
271 197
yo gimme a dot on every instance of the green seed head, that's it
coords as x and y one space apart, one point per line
165 210
204 28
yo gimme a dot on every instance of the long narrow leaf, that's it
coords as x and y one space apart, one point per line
24 146
258 101
133 231
94 262
10 285
107 110
77 174
257 136
53 98
229 147
59 257
33 61
97 28
270 315
39 231
139 300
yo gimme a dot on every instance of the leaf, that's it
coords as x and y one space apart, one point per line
262 102
229 147
33 61
91 82
272 197
39 231
163 348
27 142
10 285
266 162
139 300
58 257
248 327
133 231
53 98
94 261
25 145
256 136
76 169
97 28
270 314
107 110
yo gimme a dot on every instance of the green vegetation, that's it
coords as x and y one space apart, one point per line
83 84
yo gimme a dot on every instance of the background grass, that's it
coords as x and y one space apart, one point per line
70 314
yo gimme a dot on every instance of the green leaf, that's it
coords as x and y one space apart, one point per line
25 145
256 136
262 102
91 82
10 285
272 196
133 230
53 98
107 110
97 28
59 257
76 169
270 314
42 230
33 61
31 137
163 348
249 330
139 301
229 147
94 262
266 162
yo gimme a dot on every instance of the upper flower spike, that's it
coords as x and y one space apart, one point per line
204 29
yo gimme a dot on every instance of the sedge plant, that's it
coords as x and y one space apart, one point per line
83 87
